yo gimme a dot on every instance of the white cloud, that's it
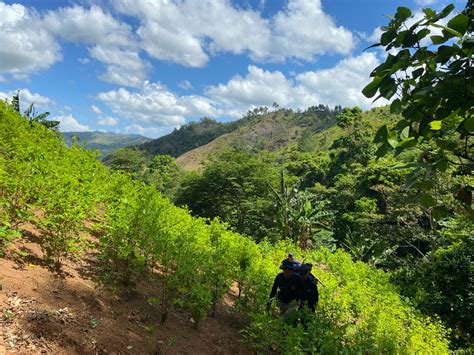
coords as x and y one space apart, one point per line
107 121
103 120
425 2
301 30
26 46
342 84
151 132
185 84
112 42
96 110
155 104
27 97
258 88
69 124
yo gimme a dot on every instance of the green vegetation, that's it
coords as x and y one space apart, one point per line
105 142
379 201
187 137
199 259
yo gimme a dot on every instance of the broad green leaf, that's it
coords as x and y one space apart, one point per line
405 133
445 12
429 12
442 165
427 201
387 37
392 139
407 143
388 87
396 106
469 124
459 23
436 125
371 89
438 39
381 151
381 135
447 31
403 13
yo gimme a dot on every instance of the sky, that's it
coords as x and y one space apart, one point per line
149 66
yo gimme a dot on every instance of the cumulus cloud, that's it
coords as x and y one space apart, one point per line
151 132
341 84
155 104
103 120
258 88
27 97
301 30
68 123
111 41
26 46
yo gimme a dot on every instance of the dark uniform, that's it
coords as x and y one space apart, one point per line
288 288
310 294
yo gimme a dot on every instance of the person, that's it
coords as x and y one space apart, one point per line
310 294
287 287
291 259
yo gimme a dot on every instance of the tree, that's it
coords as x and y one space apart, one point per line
32 115
432 77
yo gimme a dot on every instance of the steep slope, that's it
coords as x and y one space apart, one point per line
271 132
105 142
188 137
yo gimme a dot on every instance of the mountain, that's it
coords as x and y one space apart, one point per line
105 142
258 129
188 137
270 131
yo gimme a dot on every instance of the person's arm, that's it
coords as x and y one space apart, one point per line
275 286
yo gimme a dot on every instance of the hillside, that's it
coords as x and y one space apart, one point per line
187 137
113 262
105 142
269 131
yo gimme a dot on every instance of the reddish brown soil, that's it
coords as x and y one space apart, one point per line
41 312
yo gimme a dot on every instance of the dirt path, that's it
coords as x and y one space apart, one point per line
42 313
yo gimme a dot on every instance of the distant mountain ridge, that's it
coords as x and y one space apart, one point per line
190 136
105 142
258 129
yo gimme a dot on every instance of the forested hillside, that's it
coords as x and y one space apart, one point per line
104 142
187 137
173 246
59 189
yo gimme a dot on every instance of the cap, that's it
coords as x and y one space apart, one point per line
285 264
291 255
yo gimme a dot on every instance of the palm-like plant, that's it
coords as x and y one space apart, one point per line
299 214
32 115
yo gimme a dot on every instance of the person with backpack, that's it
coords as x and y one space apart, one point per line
291 259
287 288
310 294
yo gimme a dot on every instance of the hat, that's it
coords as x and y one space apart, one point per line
285 264
291 255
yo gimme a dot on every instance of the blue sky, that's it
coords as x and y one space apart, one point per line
146 67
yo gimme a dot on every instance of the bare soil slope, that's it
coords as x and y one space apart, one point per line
41 312
271 132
